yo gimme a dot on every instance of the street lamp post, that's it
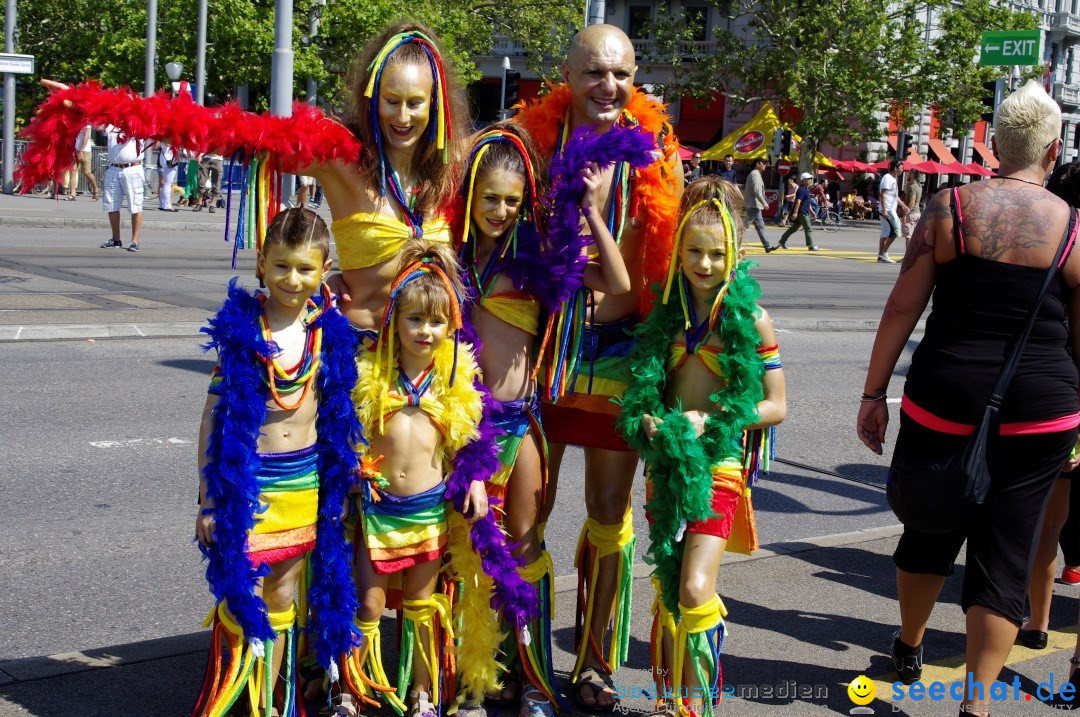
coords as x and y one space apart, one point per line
9 101
281 72
200 56
174 70
502 96
151 48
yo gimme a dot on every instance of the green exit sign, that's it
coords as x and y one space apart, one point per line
1011 47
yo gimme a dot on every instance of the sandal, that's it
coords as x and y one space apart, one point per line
535 704
497 701
344 706
421 705
598 683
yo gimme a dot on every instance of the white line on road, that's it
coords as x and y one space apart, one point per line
132 442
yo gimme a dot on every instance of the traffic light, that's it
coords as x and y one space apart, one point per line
775 153
904 142
785 143
512 79
993 93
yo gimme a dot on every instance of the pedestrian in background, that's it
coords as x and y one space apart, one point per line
693 170
889 198
984 276
124 179
84 145
913 192
168 161
728 172
754 197
800 213
791 187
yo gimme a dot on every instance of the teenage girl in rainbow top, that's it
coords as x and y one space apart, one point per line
709 387
416 396
508 269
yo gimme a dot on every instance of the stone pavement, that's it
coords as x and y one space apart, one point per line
805 619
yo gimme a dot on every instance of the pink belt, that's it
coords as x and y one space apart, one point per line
936 423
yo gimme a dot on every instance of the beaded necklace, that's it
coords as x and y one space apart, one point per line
285 382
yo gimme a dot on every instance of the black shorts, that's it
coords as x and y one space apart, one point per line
1003 537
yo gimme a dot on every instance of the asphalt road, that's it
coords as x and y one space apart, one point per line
101 588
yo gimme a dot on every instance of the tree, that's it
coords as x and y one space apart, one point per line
76 39
841 63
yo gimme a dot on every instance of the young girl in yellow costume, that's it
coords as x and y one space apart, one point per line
417 398
511 276
709 387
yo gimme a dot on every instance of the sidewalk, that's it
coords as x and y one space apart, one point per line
788 651
30 210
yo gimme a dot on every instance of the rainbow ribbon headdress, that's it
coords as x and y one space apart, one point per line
424 267
531 201
731 263
440 130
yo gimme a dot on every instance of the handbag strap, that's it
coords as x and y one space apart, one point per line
1007 371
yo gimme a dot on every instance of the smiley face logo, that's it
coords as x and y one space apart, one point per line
862 690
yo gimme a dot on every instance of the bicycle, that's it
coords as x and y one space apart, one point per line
826 219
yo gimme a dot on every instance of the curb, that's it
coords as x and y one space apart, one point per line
84 223
62 332
190 329
32 669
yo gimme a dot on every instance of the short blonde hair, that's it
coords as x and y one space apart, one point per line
1027 122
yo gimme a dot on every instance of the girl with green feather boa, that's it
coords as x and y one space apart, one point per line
704 397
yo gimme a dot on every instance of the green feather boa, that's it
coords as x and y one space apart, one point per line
680 464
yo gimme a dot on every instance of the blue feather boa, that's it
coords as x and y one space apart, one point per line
233 460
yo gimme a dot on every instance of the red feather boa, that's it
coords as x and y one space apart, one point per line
306 138
655 189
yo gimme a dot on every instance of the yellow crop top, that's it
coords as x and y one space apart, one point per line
366 239
708 355
515 308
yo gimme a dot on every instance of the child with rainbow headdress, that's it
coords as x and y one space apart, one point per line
417 399
277 463
522 256
709 389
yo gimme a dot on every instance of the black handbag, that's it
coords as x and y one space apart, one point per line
939 494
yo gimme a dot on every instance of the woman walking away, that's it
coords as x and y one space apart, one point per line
984 275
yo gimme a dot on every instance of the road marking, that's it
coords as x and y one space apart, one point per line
132 442
868 257
892 400
953 669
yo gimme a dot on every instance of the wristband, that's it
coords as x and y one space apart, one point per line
871 397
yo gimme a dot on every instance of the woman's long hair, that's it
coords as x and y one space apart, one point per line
438 176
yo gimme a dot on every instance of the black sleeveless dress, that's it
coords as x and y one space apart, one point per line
979 308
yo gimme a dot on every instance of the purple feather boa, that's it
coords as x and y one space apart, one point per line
552 270
514 598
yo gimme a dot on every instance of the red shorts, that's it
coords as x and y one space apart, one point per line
725 502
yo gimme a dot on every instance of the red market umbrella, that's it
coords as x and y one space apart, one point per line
842 165
977 170
931 167
687 153
857 166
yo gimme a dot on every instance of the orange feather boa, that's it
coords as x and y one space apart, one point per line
655 191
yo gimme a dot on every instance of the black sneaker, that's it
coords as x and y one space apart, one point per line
1034 639
907 661
133 247
113 244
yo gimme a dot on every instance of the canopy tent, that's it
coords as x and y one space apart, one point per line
687 153
752 140
977 170
932 167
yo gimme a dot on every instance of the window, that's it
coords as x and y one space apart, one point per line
697 19
640 16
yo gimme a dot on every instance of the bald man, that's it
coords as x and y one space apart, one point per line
599 91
